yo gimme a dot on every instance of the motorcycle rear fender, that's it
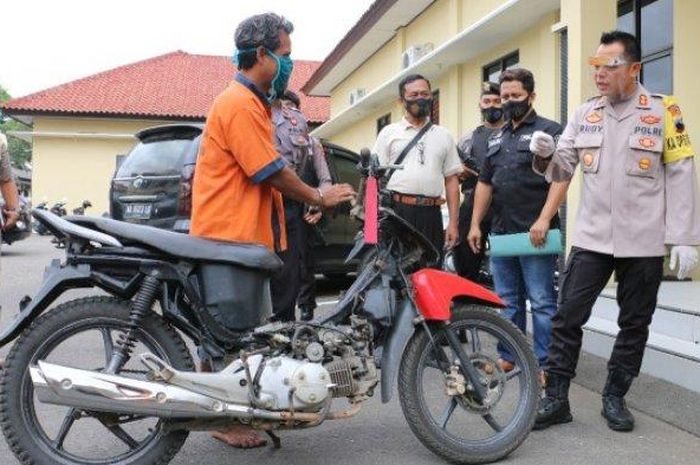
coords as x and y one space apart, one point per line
57 280
401 332
435 290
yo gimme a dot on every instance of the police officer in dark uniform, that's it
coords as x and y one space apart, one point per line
297 147
518 195
472 149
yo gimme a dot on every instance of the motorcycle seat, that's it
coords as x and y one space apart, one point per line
183 245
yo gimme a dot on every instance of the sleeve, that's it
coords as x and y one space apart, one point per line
451 165
562 165
676 140
682 193
486 173
323 174
381 146
465 143
250 139
5 168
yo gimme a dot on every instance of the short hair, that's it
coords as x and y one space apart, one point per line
490 88
292 97
633 51
409 79
256 31
521 75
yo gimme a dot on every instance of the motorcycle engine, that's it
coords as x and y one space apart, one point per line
285 383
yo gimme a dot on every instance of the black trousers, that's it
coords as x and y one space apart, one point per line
307 288
285 284
467 263
427 220
584 278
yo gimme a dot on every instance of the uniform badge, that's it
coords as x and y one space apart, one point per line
294 121
650 119
647 142
643 100
588 159
644 164
677 116
301 140
594 117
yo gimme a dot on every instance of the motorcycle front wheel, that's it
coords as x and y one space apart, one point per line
82 334
438 399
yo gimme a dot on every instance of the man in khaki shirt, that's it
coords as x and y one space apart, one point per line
640 194
8 188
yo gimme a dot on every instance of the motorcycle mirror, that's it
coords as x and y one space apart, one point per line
365 155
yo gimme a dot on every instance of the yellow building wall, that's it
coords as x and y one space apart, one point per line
474 10
78 168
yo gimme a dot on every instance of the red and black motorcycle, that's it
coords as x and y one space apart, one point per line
433 334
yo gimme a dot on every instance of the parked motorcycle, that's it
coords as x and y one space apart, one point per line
39 228
437 334
83 206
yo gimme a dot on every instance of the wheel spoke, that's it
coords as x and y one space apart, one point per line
492 422
476 342
447 413
119 432
66 425
108 344
513 373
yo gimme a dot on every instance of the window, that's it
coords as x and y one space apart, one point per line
383 121
492 71
652 22
435 111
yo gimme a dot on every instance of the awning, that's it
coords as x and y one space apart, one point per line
502 24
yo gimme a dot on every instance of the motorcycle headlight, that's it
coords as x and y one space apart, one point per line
20 225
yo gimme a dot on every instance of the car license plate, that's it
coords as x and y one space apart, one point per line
137 211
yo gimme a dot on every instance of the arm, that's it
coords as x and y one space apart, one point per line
452 194
482 202
288 183
555 197
8 188
323 174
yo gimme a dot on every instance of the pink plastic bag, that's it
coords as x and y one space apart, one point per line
371 211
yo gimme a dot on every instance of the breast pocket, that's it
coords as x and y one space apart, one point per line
588 148
644 158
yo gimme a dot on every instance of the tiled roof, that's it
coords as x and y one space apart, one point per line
176 85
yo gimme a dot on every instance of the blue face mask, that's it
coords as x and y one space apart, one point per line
285 65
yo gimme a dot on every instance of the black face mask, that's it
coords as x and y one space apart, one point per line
492 114
516 110
420 107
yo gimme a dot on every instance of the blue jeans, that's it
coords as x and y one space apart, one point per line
519 278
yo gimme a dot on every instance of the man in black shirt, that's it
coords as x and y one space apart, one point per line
472 150
517 194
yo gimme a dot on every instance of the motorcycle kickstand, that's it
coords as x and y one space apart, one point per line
276 441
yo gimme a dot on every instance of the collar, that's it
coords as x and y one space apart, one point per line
241 79
407 124
529 119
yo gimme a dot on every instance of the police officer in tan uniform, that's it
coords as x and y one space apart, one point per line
8 188
640 194
298 149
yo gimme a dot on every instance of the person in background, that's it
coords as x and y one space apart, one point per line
472 148
640 194
516 196
298 149
430 166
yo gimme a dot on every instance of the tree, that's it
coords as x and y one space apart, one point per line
20 150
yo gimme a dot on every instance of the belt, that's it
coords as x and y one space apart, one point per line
417 200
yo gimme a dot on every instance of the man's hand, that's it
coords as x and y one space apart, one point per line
451 235
313 216
538 232
542 144
11 217
467 173
337 193
686 257
474 238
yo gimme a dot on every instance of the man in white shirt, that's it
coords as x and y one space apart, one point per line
430 167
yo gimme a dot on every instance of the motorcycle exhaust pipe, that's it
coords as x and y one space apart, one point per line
91 390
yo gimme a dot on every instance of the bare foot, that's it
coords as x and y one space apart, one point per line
241 437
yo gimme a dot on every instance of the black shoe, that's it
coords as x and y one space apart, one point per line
554 408
307 314
615 409
618 415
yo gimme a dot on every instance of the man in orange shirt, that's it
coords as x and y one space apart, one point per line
240 178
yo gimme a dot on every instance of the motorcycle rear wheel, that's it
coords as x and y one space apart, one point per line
482 433
27 423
